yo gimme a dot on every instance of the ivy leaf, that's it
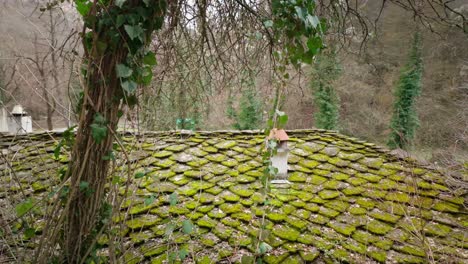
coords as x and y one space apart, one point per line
264 248
134 32
150 58
83 7
187 226
139 175
84 185
123 71
268 23
313 21
24 207
149 200
314 44
183 253
129 86
30 233
98 132
173 199
120 3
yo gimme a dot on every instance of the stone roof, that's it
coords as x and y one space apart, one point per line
349 201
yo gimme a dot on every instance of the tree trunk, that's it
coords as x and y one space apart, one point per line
88 168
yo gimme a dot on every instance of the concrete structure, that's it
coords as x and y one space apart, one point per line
19 122
3 120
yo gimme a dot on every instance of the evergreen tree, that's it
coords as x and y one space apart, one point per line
249 115
324 71
405 120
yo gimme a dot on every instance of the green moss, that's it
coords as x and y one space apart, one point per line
338 205
308 163
356 181
231 208
351 191
386 217
436 229
161 187
374 163
328 194
229 196
378 227
166 163
206 222
143 222
376 194
297 222
342 228
139 237
309 255
180 180
328 212
355 210
378 255
369 177
39 186
275 259
365 202
162 154
226 145
338 162
276 217
285 232
352 245
340 176
230 163
364 237
412 250
245 179
242 216
297 177
340 254
384 244
398 197
446 207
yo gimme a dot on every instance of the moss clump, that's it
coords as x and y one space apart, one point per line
342 228
245 168
308 163
386 217
206 222
369 177
340 176
301 213
39 186
229 196
176 148
398 197
350 191
166 163
374 163
328 194
247 217
275 259
378 255
286 233
365 202
340 206
296 222
328 212
356 181
378 227
297 177
364 237
445 207
309 255
412 250
376 194
355 210
352 245
340 254
338 162
245 179
436 229
276 217
162 154
230 163
226 144
139 237
231 208
143 222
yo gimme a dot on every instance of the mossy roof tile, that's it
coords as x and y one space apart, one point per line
349 200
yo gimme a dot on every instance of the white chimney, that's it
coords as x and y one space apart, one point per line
280 159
